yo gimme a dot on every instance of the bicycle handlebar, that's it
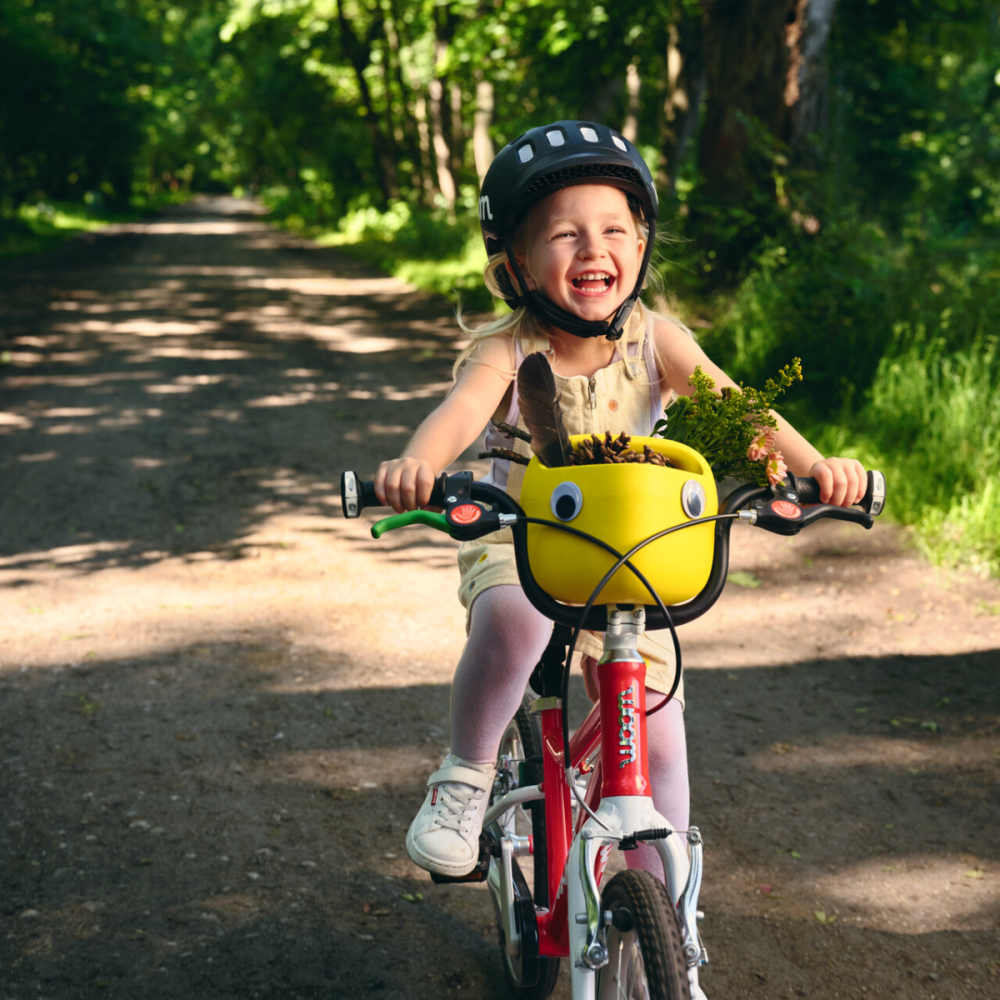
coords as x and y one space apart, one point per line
781 509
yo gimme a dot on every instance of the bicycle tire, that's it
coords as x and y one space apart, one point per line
644 945
522 740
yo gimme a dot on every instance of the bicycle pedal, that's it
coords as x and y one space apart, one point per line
478 874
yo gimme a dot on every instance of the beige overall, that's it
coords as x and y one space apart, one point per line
617 398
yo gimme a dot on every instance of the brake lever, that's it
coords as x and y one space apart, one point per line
786 517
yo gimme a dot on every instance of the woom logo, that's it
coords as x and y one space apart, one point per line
484 207
626 724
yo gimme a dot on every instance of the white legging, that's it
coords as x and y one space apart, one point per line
507 637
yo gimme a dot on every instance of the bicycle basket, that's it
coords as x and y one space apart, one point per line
622 504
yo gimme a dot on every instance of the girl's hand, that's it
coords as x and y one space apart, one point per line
404 483
842 481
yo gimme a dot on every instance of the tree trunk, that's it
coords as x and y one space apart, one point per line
682 103
442 155
359 53
807 91
632 85
410 141
747 63
456 144
482 144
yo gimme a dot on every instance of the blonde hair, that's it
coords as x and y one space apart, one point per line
522 324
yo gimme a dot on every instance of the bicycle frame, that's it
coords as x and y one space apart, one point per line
619 798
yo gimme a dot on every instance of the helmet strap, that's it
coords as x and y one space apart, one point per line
548 312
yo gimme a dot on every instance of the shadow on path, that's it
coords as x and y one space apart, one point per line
261 853
172 383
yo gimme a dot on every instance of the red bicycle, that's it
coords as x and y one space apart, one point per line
561 803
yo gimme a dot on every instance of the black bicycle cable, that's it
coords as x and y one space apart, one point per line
623 560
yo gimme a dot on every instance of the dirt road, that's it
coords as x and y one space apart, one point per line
220 700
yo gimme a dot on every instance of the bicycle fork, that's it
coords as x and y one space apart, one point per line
626 813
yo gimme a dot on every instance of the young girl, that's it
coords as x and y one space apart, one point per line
568 213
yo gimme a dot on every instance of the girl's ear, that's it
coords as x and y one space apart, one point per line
524 270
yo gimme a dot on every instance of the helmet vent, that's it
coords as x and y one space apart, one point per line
555 137
570 175
525 153
620 143
588 133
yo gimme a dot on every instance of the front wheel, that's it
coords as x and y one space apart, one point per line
645 961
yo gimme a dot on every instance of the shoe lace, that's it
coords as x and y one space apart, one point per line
455 803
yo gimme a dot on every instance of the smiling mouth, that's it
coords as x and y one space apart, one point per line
593 281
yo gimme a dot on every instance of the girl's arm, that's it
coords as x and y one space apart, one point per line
405 483
842 481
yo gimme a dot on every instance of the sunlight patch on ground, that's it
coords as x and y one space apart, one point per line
916 894
130 418
73 411
141 328
289 399
353 287
350 770
15 420
64 555
196 354
218 227
350 338
77 381
859 752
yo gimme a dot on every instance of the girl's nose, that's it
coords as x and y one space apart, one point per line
591 245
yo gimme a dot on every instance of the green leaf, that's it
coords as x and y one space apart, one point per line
743 579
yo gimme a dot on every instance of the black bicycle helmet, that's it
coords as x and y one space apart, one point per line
541 161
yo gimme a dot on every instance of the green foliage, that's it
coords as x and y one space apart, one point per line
723 425
932 424
66 121
429 249
40 226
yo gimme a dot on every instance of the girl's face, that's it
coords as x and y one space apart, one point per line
583 250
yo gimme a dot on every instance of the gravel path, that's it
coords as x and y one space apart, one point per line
220 700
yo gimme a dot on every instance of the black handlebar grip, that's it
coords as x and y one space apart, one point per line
439 492
871 503
355 495
807 489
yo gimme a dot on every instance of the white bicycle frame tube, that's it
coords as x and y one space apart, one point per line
620 815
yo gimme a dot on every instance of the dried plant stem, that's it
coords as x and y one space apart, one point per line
513 431
511 456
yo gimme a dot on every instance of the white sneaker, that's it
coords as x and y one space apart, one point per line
444 836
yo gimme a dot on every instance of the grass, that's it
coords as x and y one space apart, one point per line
42 225
931 423
901 369
430 249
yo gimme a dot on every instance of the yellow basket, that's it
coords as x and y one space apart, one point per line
622 505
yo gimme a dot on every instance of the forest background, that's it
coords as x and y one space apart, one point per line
829 172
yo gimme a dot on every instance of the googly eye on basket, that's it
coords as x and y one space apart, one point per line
567 501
